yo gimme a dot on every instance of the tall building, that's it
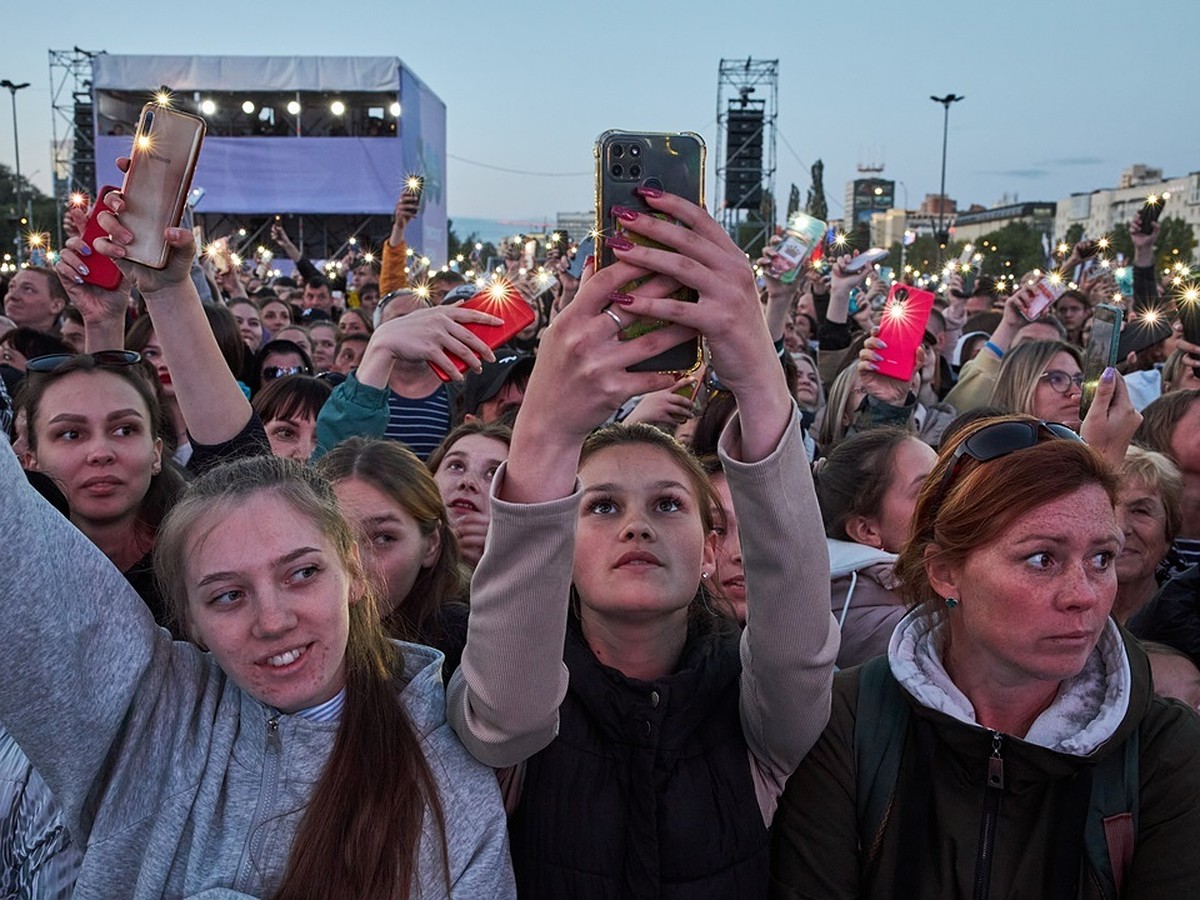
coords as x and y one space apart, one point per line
865 197
577 225
1101 210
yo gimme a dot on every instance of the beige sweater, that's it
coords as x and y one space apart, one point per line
503 701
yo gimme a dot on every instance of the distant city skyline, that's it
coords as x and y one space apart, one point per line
1053 106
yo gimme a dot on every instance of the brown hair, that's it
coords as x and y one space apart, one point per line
360 835
626 434
164 487
1160 418
394 470
494 430
984 498
853 478
291 395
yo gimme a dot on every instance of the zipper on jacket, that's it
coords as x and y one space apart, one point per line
987 824
263 809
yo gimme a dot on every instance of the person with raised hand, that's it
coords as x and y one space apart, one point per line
394 393
674 734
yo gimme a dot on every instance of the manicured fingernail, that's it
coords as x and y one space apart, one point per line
83 270
645 191
589 261
622 298
85 250
617 242
872 367
625 214
878 357
78 280
118 250
1109 374
882 345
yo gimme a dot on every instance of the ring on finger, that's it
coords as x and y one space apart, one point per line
612 315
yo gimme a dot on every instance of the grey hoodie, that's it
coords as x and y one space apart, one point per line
175 781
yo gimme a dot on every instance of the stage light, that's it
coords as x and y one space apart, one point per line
247 107
337 107
208 107
293 107
394 109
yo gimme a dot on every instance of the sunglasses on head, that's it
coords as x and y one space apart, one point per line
270 373
112 359
996 440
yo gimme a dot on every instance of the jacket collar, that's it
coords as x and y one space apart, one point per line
1087 712
848 556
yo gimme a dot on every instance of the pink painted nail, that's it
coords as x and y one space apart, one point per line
624 214
618 242
622 298
649 192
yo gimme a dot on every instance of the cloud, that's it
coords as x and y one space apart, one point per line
1018 173
1072 161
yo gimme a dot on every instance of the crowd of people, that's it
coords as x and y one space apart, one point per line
287 615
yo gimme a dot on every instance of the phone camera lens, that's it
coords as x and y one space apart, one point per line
147 122
635 150
618 170
618 150
635 171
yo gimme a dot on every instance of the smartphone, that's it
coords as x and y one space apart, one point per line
166 147
866 258
967 270
1151 210
802 233
1046 293
902 327
529 255
498 299
1101 351
626 161
102 271
1188 305
586 248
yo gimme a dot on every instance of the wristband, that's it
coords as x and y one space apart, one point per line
999 353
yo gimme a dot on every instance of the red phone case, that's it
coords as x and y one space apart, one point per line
902 327
509 306
102 271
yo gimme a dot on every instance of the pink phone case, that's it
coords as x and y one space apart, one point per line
901 329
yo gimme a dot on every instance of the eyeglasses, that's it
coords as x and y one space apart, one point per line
997 440
51 362
270 373
1062 381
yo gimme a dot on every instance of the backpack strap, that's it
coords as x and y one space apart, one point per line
1112 816
880 726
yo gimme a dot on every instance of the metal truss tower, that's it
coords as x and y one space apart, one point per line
747 108
72 122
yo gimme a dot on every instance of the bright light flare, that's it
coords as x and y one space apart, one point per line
369 257
162 98
1103 243
841 239
897 312
1063 248
143 142
1151 316
413 184
337 107
498 290
36 239
78 198
422 290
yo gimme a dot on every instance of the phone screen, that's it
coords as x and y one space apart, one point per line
1101 351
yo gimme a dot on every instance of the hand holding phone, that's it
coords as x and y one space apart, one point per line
864 259
1150 212
102 271
1101 351
502 300
901 330
166 148
1046 291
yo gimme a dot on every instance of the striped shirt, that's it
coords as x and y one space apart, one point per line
421 423
329 711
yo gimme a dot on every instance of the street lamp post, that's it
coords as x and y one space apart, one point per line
12 89
942 236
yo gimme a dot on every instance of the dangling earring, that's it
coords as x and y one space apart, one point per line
951 602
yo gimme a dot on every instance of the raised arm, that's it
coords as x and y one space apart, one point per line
76 641
503 701
213 405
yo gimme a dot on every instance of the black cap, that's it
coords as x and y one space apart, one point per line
480 388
